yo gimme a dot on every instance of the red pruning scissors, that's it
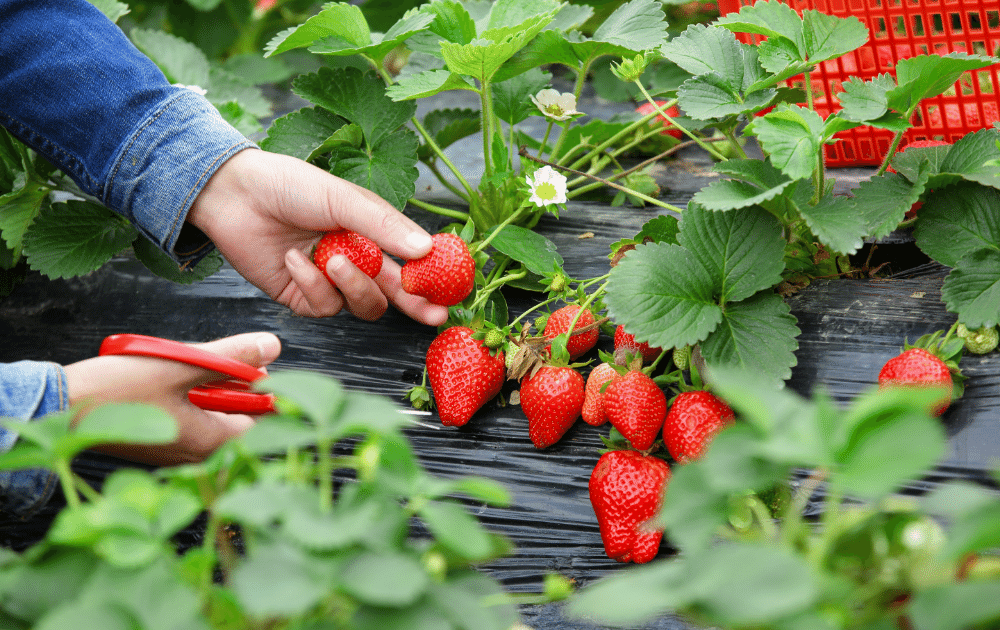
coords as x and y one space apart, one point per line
232 395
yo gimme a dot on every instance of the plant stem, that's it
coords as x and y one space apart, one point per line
486 99
324 471
763 516
84 488
432 166
793 518
485 292
533 308
458 215
545 139
730 134
891 152
831 509
581 78
661 111
65 474
441 156
499 226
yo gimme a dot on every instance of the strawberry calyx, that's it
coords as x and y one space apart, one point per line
615 441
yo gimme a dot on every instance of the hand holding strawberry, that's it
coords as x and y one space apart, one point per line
363 252
626 489
464 374
445 276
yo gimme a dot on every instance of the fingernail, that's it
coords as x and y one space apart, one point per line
269 345
419 242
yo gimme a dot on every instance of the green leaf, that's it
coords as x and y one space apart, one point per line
925 76
773 19
227 87
356 96
837 223
862 101
511 98
883 201
320 397
304 582
702 49
663 294
341 20
255 69
692 511
86 614
454 528
76 237
461 600
448 126
528 247
972 289
956 606
244 122
157 261
792 136
756 334
959 220
112 9
972 157
20 207
301 133
427 83
710 97
754 182
179 59
388 578
482 57
515 13
640 595
635 26
452 22
741 249
828 37
412 22
388 169
662 229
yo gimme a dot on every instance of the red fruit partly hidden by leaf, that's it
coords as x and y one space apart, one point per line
693 420
463 374
552 399
636 406
669 130
627 340
917 367
917 144
445 276
593 411
626 488
558 323
361 251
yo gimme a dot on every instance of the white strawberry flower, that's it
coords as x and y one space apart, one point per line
555 105
194 88
548 186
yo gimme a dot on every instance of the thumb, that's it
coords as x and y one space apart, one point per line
256 349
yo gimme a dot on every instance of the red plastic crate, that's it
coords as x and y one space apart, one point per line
899 29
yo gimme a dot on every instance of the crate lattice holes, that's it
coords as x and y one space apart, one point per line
898 29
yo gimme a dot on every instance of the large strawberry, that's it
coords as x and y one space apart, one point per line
464 374
362 251
636 406
916 367
445 276
593 411
626 489
693 420
552 399
558 323
627 341
668 129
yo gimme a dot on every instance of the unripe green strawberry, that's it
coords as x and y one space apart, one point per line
979 341
558 323
363 252
626 489
636 406
463 374
917 367
593 411
627 341
693 420
494 338
551 398
445 276
682 357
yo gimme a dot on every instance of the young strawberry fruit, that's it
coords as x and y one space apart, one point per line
593 411
558 323
693 420
636 406
552 399
916 367
445 276
669 130
362 251
463 374
626 340
626 489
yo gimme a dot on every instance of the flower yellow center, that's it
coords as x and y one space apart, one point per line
546 191
555 110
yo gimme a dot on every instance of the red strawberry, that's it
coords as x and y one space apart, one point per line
636 406
558 323
626 489
593 411
445 276
627 340
463 374
361 251
552 399
669 130
917 144
917 367
693 420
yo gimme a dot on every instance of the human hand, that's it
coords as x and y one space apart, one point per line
265 212
165 384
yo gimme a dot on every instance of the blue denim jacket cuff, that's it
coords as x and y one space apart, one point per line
163 166
28 390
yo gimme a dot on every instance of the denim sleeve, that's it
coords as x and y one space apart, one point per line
77 91
28 390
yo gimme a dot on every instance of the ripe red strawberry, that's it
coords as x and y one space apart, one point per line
558 323
917 367
463 374
627 340
669 130
626 489
445 276
636 406
593 411
552 399
693 420
362 251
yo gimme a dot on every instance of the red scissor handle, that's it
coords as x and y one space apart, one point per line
231 397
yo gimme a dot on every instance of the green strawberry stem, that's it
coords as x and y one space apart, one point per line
627 131
890 152
817 554
601 163
485 292
65 474
458 215
649 369
792 524
661 110
764 517
533 308
500 226
545 139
